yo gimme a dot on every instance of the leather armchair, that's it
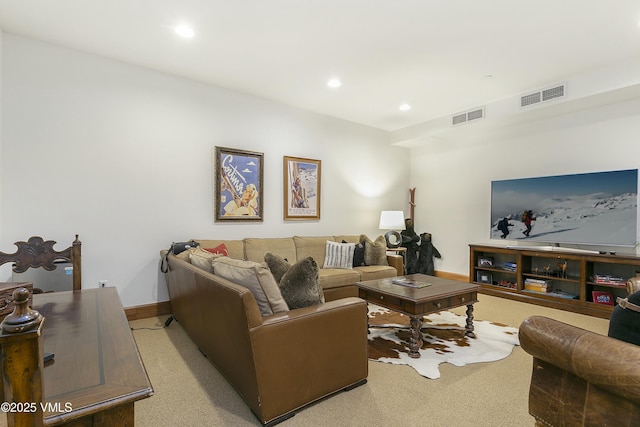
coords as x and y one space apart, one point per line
580 378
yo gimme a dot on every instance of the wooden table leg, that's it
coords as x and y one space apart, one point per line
468 330
415 343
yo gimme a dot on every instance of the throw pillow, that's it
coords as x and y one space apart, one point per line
339 255
257 278
220 249
624 323
375 252
300 286
277 265
202 259
358 254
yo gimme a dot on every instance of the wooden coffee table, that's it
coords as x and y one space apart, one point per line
440 295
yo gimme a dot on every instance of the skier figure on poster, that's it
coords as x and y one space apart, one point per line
527 218
503 226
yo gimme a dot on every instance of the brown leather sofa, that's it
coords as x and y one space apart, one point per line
277 363
580 378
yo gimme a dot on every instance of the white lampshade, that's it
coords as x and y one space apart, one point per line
391 220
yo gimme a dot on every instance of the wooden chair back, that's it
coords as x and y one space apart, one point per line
36 252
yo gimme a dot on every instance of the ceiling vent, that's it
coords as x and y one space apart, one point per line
468 116
543 95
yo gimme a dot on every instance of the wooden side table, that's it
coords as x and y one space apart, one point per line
402 251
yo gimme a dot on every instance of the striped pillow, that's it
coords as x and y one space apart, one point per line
339 255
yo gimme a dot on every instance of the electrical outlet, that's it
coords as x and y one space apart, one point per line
102 283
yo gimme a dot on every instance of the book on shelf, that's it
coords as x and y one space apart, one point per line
608 280
537 285
537 281
408 281
563 294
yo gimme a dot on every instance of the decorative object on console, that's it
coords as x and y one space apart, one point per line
602 297
301 179
238 176
633 284
392 220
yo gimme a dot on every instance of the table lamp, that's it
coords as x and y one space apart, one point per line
393 221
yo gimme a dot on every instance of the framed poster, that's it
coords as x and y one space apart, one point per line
238 185
301 188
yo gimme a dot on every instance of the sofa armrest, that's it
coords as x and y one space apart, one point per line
309 353
397 262
599 360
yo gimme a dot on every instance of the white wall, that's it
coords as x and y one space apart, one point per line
123 156
453 178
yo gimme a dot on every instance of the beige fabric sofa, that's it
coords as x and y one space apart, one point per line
336 283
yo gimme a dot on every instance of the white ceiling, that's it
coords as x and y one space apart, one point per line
437 55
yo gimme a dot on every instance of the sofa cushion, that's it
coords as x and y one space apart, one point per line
375 272
257 278
277 265
235 248
311 246
339 255
375 252
201 258
300 286
334 277
255 248
184 255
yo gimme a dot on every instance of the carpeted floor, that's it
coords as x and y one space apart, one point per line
190 392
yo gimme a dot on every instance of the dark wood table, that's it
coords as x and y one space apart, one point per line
440 295
97 373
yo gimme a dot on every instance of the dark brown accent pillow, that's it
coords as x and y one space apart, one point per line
300 286
277 265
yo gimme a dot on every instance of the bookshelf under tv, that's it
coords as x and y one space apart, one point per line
566 280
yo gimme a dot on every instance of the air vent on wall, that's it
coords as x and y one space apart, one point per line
468 116
543 95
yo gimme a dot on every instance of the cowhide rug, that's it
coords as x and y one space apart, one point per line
444 340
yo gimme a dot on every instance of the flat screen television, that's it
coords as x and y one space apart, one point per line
599 208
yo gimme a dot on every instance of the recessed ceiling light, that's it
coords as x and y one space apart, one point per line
405 107
334 83
184 31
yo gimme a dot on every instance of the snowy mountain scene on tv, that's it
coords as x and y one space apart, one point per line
598 208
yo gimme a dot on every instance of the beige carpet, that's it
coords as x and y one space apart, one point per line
190 392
